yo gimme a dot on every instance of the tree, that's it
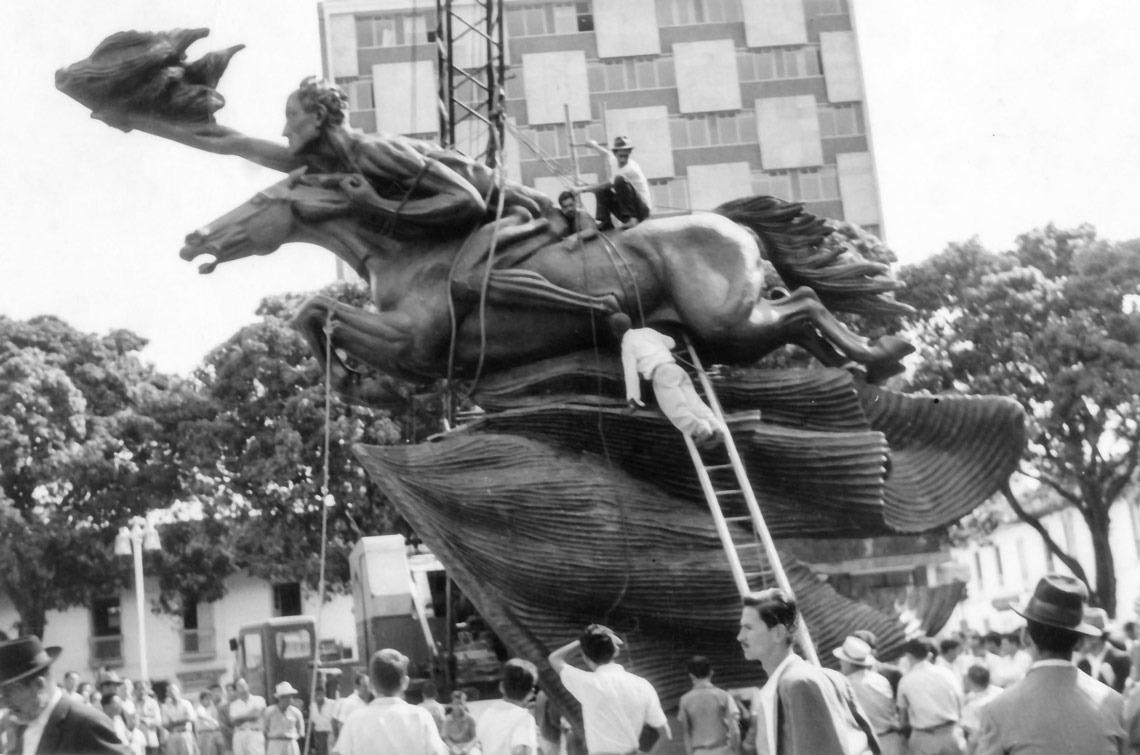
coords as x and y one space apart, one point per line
1051 323
258 460
80 453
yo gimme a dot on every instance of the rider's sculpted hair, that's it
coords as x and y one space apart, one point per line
316 92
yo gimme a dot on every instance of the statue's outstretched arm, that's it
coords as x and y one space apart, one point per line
219 140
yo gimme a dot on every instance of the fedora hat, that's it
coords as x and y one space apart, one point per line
1059 601
622 142
855 651
285 689
23 657
1098 619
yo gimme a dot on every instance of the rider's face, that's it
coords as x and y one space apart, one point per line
622 157
301 126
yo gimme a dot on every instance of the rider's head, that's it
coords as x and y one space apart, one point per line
623 146
568 202
316 105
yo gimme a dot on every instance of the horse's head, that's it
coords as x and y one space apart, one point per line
259 226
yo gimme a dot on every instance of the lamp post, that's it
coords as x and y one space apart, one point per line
140 535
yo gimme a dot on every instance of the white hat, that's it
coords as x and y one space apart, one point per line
855 651
285 689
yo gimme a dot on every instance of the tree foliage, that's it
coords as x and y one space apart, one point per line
83 447
1052 323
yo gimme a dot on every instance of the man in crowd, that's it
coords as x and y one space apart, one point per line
246 712
431 703
506 726
359 698
41 718
616 704
979 693
1055 708
71 685
625 195
873 692
710 719
1099 659
389 724
930 704
953 657
320 720
1012 663
800 710
284 723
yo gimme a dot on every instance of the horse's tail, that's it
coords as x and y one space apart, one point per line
793 240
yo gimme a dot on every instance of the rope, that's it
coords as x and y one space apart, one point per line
330 326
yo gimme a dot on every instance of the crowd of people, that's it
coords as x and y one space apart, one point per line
1064 683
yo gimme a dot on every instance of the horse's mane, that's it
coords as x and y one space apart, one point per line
794 241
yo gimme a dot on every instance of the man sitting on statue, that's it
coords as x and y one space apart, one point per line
625 196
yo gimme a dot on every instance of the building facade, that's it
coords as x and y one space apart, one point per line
192 649
722 98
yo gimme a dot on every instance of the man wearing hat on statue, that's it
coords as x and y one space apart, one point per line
624 198
873 692
284 723
41 719
1055 708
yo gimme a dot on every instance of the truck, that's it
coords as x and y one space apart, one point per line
402 599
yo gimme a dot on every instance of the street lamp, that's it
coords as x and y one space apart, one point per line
133 540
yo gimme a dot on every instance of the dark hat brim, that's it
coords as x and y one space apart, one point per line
1082 628
51 652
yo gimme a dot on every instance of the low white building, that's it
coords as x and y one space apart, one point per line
194 648
1004 570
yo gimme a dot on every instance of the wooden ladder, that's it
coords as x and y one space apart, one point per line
761 548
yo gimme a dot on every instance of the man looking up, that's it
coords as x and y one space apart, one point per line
1055 709
389 724
616 704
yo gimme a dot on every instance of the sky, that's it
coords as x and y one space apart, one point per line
987 119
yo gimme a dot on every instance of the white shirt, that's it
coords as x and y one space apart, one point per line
929 696
504 726
1008 669
35 730
239 708
643 350
633 173
615 706
390 725
767 698
348 706
322 717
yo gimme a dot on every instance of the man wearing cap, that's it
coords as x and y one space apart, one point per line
625 196
801 709
246 712
873 692
1099 659
389 724
284 724
42 720
1055 708
616 705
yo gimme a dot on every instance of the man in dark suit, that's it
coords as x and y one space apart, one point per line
801 709
41 719
1055 708
1099 658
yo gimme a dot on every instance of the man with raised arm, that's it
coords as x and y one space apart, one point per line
616 705
625 195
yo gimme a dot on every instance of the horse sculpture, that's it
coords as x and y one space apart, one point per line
512 292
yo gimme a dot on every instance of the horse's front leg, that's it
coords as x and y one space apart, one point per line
379 340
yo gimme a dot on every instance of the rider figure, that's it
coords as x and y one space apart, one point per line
423 185
625 196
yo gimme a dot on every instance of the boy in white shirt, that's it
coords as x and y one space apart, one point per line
506 726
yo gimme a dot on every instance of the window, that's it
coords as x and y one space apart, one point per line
359 95
395 30
819 185
1000 567
777 184
691 12
549 18
252 652
197 630
841 120
978 570
293 643
287 599
669 195
814 8
106 631
713 129
782 63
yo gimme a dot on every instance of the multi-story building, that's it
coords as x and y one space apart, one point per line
722 98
